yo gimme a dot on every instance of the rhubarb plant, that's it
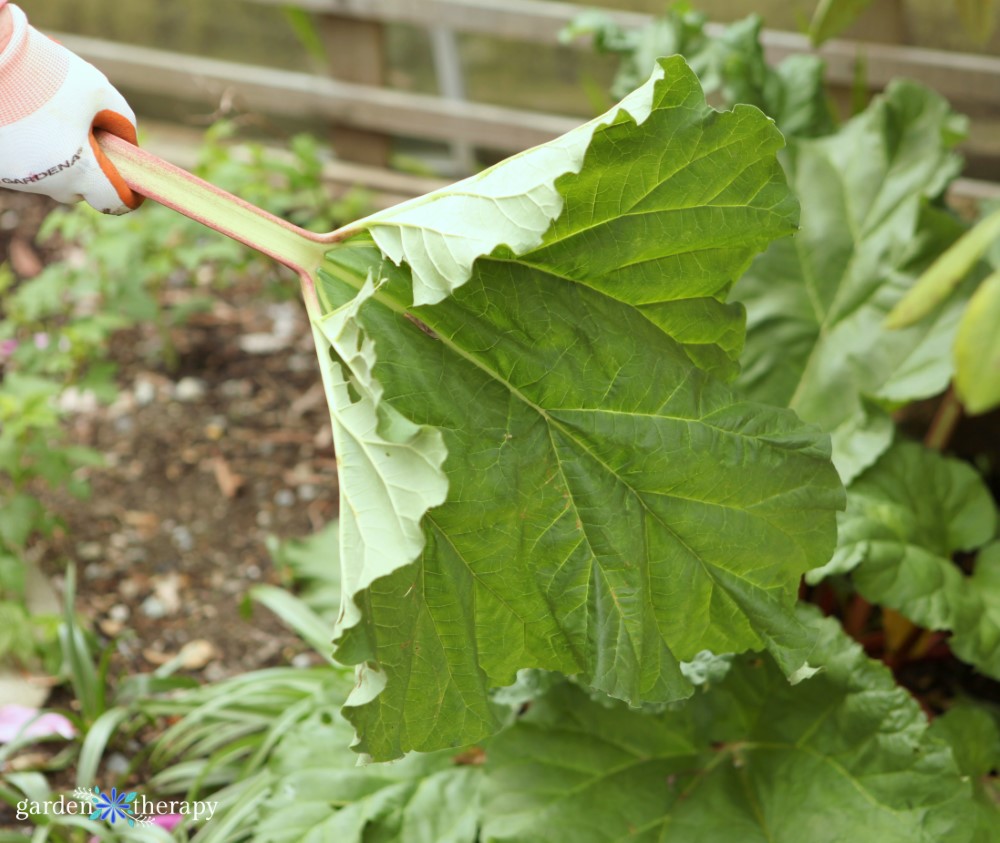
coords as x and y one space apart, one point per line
542 463
573 535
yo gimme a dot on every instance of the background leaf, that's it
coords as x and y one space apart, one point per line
845 755
816 303
977 349
906 516
832 17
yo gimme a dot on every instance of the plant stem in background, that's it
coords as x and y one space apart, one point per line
947 417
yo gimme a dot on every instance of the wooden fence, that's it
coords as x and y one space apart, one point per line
365 113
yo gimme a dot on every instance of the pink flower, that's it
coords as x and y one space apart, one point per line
168 822
21 721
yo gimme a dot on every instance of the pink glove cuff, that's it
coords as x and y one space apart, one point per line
31 70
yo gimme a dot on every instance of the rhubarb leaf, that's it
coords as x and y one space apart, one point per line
816 303
906 517
553 446
846 755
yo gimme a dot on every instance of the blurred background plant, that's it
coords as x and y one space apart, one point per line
58 328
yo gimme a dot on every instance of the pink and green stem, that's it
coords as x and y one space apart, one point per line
178 189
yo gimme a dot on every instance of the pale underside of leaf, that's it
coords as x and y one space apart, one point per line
511 204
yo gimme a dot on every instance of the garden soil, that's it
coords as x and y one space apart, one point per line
205 460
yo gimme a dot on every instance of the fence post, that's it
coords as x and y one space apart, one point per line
451 84
356 53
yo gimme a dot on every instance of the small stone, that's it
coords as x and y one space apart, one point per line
301 363
302 660
215 672
117 764
263 343
166 592
94 571
153 608
119 612
124 425
182 538
284 497
129 588
75 400
190 389
253 572
144 392
89 551
216 428
264 519
235 389
111 628
307 492
198 653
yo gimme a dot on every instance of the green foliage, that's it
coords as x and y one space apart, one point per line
831 17
977 352
816 303
610 547
312 565
717 770
731 65
906 517
977 349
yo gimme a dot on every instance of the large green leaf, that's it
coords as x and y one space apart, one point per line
845 755
906 516
551 444
976 619
973 732
816 303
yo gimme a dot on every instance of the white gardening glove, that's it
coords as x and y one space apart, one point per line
50 103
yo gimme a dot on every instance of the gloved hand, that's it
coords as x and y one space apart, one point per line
51 101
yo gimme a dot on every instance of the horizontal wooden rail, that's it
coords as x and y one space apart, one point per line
958 76
534 21
387 187
295 94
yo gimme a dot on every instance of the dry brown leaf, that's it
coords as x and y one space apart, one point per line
229 481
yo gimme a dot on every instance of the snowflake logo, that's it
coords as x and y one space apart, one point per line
114 806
